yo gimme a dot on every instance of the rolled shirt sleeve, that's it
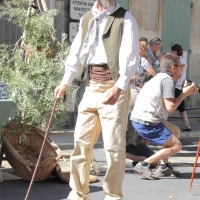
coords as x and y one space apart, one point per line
129 52
72 63
144 63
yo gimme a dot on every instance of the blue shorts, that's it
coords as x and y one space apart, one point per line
158 134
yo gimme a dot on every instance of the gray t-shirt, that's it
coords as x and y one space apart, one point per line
167 88
150 106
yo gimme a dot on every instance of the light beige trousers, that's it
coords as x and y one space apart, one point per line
94 117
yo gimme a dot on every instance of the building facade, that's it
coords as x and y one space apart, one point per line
174 21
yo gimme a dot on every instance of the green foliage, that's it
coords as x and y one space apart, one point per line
38 26
35 65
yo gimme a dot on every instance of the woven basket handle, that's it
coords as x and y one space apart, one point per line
16 154
47 161
29 169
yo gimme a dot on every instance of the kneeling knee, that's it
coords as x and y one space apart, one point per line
178 146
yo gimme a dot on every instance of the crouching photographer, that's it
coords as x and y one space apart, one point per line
155 102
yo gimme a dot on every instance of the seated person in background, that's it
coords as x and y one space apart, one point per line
143 39
136 150
143 64
144 61
155 102
154 47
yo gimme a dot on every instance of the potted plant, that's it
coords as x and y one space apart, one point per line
32 67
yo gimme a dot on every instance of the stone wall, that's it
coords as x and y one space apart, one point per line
148 15
194 72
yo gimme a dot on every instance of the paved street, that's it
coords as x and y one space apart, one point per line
134 187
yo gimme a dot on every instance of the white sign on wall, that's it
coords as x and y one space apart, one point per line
73 30
78 8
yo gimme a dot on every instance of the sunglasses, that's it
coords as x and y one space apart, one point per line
155 40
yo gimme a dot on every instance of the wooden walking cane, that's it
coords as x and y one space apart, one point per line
195 164
40 155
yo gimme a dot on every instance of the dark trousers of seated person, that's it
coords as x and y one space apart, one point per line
139 150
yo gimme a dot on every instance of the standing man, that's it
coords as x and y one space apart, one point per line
155 102
107 44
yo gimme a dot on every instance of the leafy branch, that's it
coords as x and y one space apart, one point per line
35 64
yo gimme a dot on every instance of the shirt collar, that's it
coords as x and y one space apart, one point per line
170 74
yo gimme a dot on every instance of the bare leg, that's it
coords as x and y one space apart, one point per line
184 118
173 128
172 146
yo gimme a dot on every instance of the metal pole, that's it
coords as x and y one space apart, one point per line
195 164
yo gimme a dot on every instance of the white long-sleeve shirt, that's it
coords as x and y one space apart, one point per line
128 53
179 83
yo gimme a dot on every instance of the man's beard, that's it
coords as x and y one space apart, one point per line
107 3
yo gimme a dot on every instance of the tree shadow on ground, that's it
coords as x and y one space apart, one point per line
52 189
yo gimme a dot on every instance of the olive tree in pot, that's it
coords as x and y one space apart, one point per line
32 67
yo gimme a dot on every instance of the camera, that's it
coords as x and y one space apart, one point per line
189 82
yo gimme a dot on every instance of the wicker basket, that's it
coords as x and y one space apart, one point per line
22 145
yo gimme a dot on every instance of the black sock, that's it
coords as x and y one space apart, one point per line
163 166
144 163
167 164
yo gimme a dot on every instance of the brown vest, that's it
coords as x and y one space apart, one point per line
111 37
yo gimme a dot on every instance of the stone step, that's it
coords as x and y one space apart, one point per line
192 113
